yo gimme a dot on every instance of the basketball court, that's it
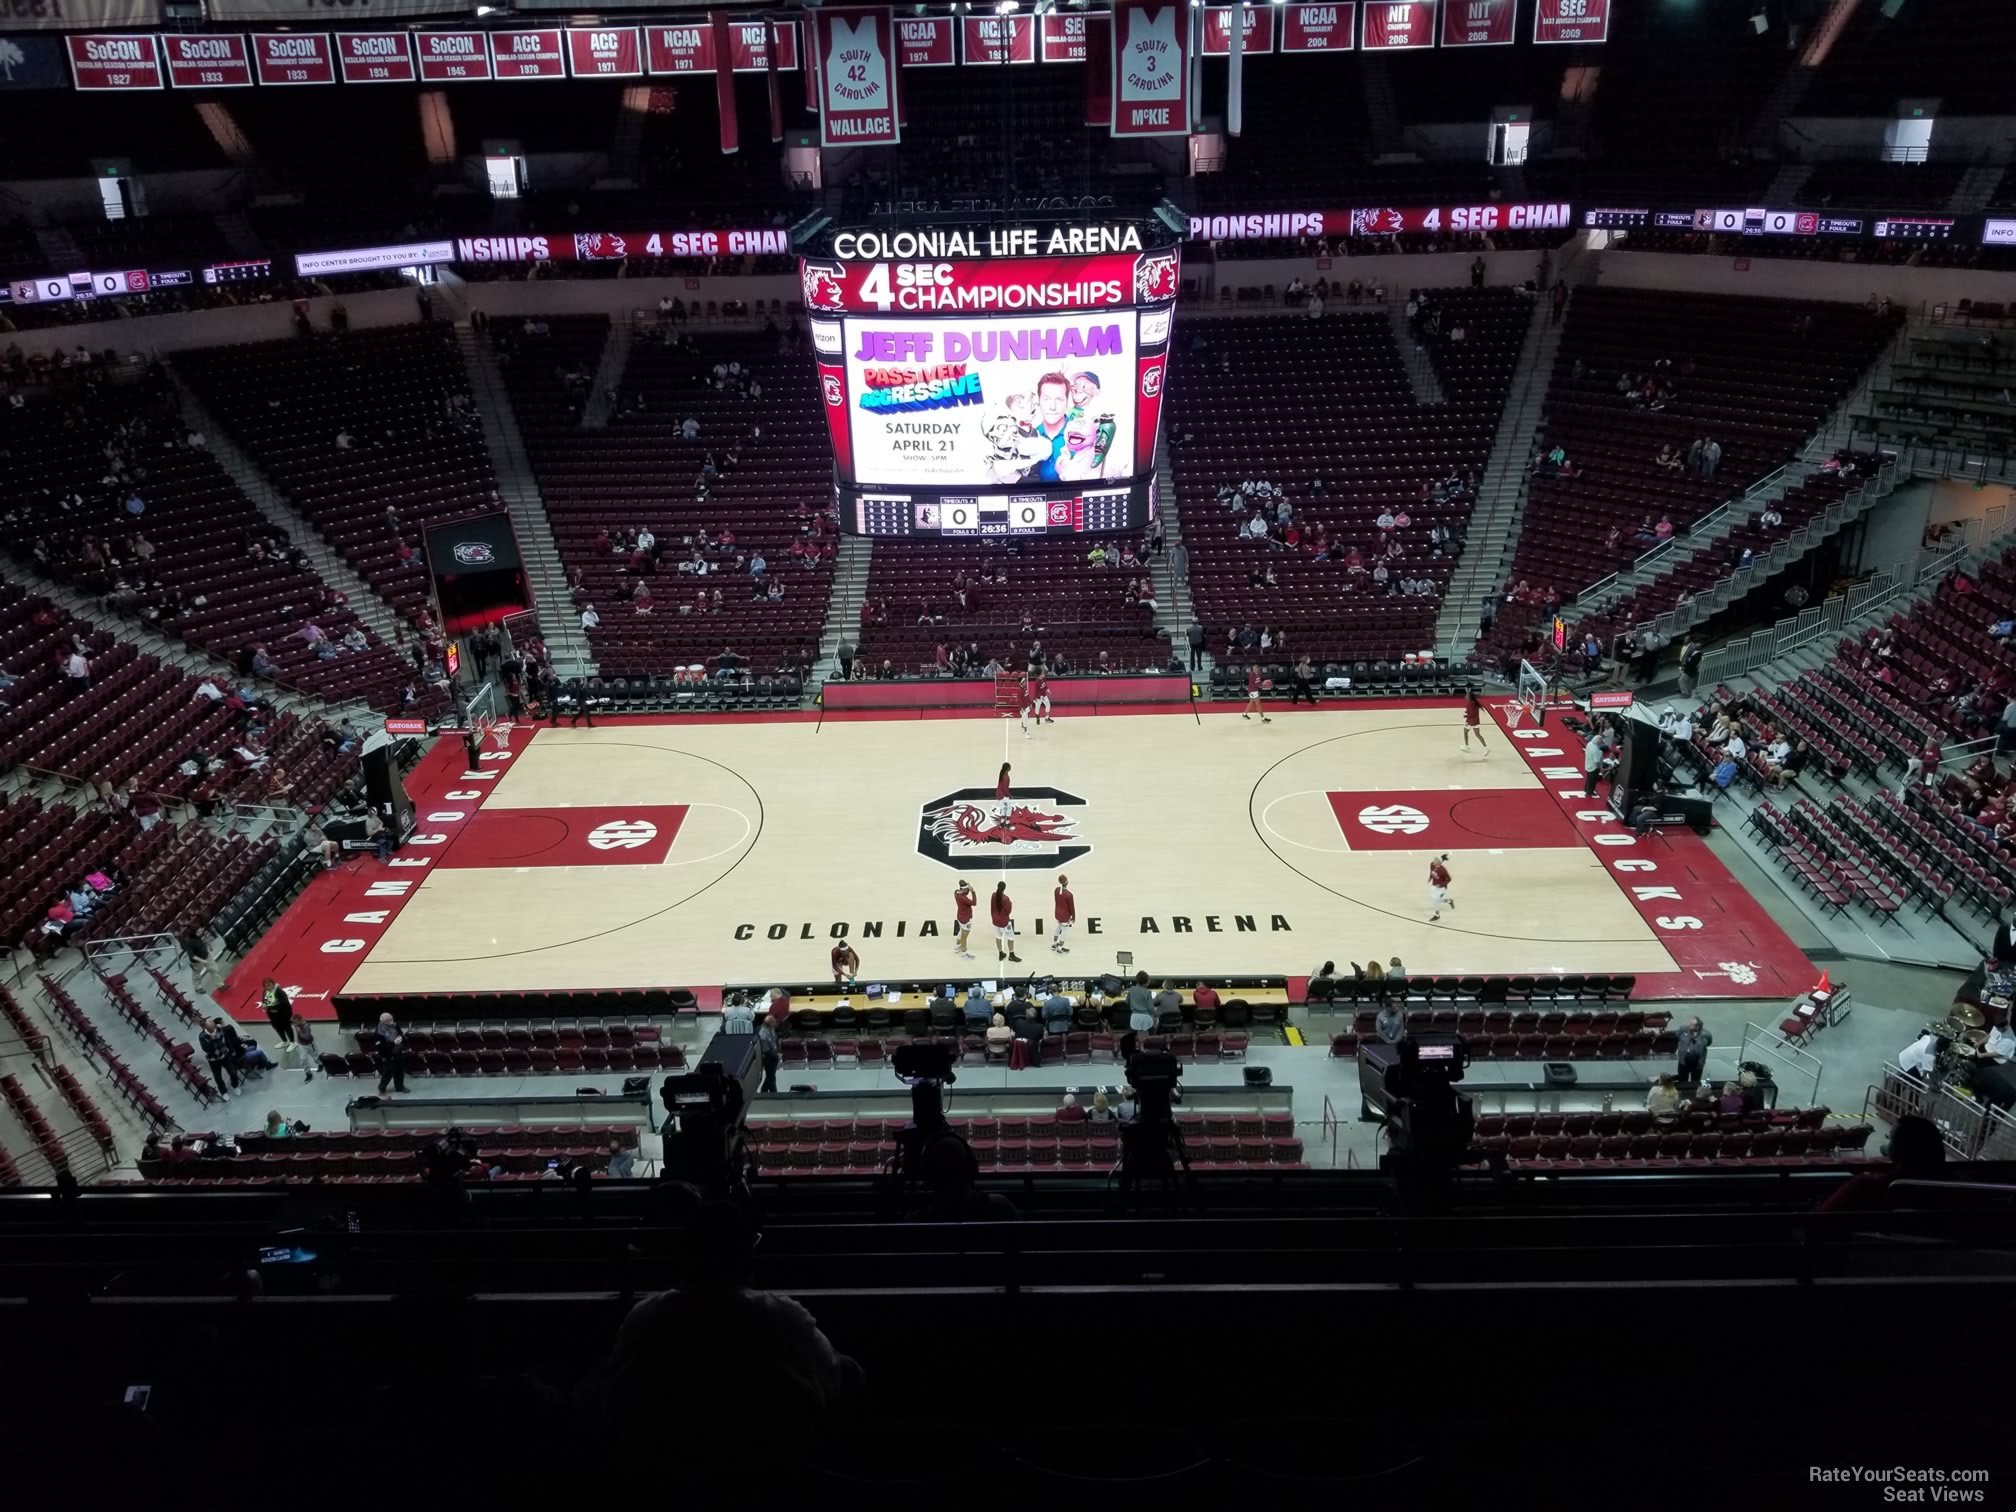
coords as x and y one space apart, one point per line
708 852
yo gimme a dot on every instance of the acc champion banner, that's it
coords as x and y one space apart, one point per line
1151 68
855 51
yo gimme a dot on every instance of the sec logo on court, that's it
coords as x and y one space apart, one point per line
1392 819
623 834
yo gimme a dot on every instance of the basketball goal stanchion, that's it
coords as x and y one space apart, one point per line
1008 695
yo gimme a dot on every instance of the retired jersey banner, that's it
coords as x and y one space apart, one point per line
1319 28
1062 39
998 39
856 53
1571 21
1151 68
206 60
927 41
101 60
537 54
1216 41
380 57
294 57
1478 23
1397 25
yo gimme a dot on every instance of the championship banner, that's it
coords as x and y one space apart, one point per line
998 39
927 41
1383 221
208 61
604 52
1062 38
724 82
1099 71
1151 68
750 45
294 58
380 57
1478 23
537 54
684 49
54 15
605 246
1216 41
102 60
1398 25
1319 28
452 57
1572 21
856 52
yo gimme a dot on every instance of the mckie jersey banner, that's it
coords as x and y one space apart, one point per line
981 403
1151 68
856 52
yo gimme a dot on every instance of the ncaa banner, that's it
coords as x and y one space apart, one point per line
927 41
856 52
1216 42
999 39
1319 28
1572 21
1477 23
1151 68
1398 25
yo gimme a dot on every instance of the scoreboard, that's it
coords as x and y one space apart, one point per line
991 395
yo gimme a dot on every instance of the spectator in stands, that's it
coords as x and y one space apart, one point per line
999 1036
390 1053
304 1048
1692 1053
1916 1151
1068 1110
277 1126
1729 1099
1662 1101
217 1053
1391 1023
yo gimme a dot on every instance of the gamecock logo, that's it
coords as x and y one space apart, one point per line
474 553
1151 381
1155 277
1393 819
835 395
1036 829
823 289
623 834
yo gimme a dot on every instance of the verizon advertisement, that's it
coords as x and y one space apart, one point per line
208 62
383 57
1318 28
856 49
1477 23
115 61
1399 25
950 403
1151 68
1216 41
927 41
294 57
1036 283
1571 21
999 39
1383 221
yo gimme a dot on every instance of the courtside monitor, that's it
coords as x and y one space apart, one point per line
994 381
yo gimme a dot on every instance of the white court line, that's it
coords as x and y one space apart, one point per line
1267 824
748 829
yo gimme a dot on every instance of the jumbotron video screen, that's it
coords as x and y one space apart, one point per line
988 395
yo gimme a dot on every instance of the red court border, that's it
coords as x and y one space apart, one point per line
1702 915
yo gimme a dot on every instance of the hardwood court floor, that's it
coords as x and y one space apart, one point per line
687 853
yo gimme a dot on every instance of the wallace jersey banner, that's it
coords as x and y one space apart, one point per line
1151 68
855 50
953 402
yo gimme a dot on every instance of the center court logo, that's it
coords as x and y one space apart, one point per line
623 834
1393 819
474 553
1042 828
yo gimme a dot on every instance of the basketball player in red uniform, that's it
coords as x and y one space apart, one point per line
846 963
1004 792
1002 908
1066 914
1438 888
1036 700
1253 696
1473 723
963 899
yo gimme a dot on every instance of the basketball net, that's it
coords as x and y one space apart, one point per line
487 727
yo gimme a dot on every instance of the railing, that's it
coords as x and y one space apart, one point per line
1901 579
1329 1126
97 952
82 1154
1759 1042
1702 529
1972 1130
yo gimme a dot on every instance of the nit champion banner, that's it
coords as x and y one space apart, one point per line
981 403
856 55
